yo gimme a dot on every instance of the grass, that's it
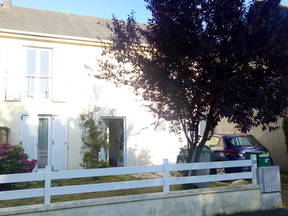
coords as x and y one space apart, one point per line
81 181
95 180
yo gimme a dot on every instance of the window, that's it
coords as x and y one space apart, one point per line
244 141
38 73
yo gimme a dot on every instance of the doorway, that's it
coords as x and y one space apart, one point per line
44 137
115 129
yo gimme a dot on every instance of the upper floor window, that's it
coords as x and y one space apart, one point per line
38 73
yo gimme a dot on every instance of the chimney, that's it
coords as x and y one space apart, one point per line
7 3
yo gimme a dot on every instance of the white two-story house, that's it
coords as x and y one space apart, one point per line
47 65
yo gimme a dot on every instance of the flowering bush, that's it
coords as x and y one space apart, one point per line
14 160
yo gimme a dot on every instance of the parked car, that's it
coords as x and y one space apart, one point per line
229 147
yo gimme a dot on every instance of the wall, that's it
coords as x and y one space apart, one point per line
75 66
274 141
198 202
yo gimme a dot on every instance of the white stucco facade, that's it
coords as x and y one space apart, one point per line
72 89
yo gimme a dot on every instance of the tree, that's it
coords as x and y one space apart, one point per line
204 60
94 138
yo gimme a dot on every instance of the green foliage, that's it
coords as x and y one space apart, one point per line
103 164
285 128
14 160
93 138
204 60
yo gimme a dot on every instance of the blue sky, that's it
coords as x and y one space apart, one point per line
98 8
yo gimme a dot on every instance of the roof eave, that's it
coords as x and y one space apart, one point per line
11 33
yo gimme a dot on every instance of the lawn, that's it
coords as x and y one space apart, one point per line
82 181
95 180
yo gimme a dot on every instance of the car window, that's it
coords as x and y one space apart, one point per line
243 141
232 141
212 143
248 141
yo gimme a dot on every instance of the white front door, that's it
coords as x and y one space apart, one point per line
43 137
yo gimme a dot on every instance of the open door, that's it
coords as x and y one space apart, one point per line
116 138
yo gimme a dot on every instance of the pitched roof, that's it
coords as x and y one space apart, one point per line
57 23
48 22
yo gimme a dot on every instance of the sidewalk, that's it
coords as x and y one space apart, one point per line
274 212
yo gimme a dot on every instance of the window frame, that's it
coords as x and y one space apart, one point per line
38 76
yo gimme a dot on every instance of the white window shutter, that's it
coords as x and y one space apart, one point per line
59 78
15 72
3 68
59 143
29 126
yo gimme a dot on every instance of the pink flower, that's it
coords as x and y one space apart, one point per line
8 151
7 145
3 151
32 164
23 160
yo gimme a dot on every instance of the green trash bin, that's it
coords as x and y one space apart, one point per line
263 158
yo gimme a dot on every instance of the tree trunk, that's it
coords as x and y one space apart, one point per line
195 153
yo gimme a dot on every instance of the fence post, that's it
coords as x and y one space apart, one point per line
47 195
166 176
254 169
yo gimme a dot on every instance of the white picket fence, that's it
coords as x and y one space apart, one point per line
165 181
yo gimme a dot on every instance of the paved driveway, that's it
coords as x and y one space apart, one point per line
274 212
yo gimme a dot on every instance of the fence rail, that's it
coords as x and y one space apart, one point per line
165 181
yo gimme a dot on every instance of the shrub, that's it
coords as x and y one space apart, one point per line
93 139
14 160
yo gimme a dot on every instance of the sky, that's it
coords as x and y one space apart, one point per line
97 8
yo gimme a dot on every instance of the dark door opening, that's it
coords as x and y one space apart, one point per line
115 130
